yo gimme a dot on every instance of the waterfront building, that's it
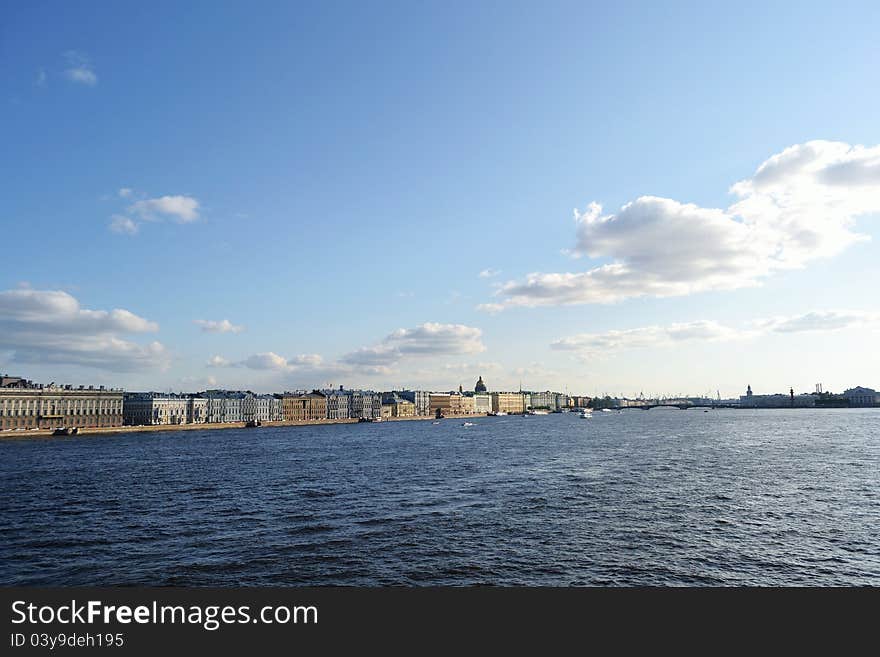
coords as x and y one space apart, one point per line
561 402
542 400
304 407
480 387
225 405
580 402
421 399
338 403
439 401
260 408
482 403
26 405
460 404
233 411
400 407
364 404
778 400
196 410
508 402
387 411
155 408
404 408
269 408
860 396
248 407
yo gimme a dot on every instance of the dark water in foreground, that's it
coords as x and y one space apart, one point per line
662 497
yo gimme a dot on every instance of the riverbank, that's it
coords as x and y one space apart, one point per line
48 433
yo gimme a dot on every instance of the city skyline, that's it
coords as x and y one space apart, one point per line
430 199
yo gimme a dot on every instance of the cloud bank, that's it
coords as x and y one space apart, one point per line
50 326
218 326
591 345
79 69
178 208
799 206
423 341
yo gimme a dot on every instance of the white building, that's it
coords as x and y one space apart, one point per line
860 396
338 403
154 408
364 404
268 408
482 403
224 406
779 400
420 398
544 400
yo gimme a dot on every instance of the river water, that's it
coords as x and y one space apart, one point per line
660 497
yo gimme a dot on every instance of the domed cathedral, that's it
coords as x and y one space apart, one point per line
480 387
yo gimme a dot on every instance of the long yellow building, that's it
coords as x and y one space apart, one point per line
508 402
26 405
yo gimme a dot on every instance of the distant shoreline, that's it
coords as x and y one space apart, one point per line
95 431
48 433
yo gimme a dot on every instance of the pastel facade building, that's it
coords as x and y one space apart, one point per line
399 406
421 400
482 403
460 404
305 407
440 403
860 396
338 404
364 404
25 405
224 406
542 400
508 402
155 408
268 408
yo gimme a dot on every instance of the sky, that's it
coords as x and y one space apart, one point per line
609 198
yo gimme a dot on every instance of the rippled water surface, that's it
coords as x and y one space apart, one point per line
660 497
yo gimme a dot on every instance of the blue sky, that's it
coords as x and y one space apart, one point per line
332 178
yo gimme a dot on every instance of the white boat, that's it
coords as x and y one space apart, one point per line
585 415
606 410
500 413
468 424
435 423
539 412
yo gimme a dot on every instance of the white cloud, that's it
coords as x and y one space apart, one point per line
123 225
80 69
800 205
828 320
185 209
646 337
426 340
591 345
180 208
40 80
49 326
266 361
218 326
489 273
269 360
429 339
